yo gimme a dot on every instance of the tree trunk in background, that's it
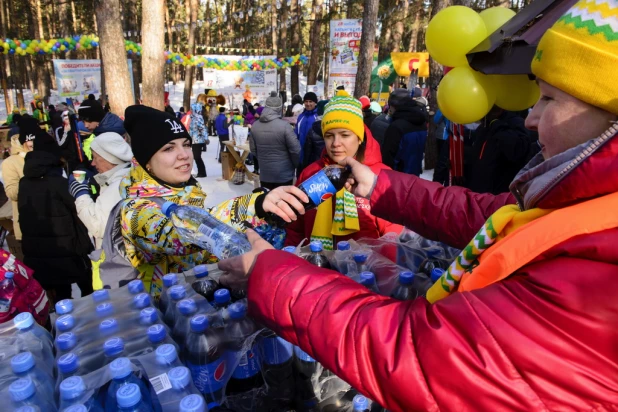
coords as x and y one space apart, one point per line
153 64
295 70
365 56
192 6
170 37
326 77
29 72
273 33
413 44
396 22
114 56
74 15
6 68
283 43
133 27
314 61
42 75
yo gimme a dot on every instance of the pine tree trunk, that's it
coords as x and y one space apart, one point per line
314 61
117 78
295 70
6 68
365 57
153 64
413 44
192 6
273 33
74 15
283 44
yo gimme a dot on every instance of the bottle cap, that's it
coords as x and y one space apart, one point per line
66 341
108 327
128 395
67 363
179 377
65 323
200 271
360 403
22 362
315 246
120 368
156 333
199 323
113 346
64 306
72 388
148 316
76 408
360 257
21 389
100 295
8 275
436 274
289 249
32 408
177 292
433 252
187 307
136 286
168 208
104 310
141 300
166 354
170 280
367 278
237 310
23 321
343 245
406 278
192 403
222 296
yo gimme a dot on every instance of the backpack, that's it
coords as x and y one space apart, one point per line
113 266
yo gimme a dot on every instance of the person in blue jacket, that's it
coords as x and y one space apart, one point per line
221 125
306 119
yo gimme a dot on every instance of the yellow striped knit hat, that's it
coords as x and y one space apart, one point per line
344 112
579 54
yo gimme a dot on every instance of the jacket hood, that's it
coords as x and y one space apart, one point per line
268 115
138 183
41 163
412 113
16 146
373 155
110 123
103 178
581 173
197 108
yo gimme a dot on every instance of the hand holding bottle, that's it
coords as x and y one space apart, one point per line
362 181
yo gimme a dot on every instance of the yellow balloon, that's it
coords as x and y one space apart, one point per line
465 95
452 33
515 92
495 17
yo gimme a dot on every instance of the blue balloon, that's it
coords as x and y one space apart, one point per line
138 53
11 51
178 57
41 51
76 37
66 43
169 61
94 44
130 51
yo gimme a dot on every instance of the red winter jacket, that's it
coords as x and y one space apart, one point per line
544 339
370 226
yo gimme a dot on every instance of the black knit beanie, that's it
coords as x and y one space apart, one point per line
311 96
29 129
151 129
91 111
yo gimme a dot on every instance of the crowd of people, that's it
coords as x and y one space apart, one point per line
521 320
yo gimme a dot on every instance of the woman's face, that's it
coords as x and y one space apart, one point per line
173 162
341 143
100 163
563 121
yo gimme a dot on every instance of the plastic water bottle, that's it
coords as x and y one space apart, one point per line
192 403
148 316
157 335
113 348
72 391
135 287
216 407
100 296
78 407
23 393
195 225
169 280
290 249
34 338
26 325
246 376
7 290
360 404
204 284
64 307
278 369
405 289
361 262
343 246
186 309
68 365
223 300
167 357
432 261
24 365
317 257
368 279
180 379
204 356
176 294
122 374
65 323
108 327
436 274
141 301
129 399
65 343
305 367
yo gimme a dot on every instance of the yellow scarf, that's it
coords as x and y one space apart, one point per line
343 223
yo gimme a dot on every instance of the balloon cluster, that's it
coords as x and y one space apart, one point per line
238 65
465 95
60 45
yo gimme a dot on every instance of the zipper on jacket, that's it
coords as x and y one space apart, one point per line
612 131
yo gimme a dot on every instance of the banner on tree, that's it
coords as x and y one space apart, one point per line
239 85
345 38
79 78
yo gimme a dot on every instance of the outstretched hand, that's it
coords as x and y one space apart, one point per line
281 200
362 181
239 268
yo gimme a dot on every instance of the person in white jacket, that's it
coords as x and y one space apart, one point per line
111 157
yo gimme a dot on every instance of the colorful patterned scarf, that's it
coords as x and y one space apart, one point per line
343 223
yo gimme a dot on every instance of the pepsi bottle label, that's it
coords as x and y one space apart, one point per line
302 355
318 187
208 378
249 364
276 350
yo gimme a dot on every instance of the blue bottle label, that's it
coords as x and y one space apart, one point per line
276 350
302 355
318 187
208 378
249 364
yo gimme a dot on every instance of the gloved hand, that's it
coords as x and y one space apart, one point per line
77 189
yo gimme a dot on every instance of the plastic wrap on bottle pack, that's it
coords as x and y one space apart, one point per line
412 249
